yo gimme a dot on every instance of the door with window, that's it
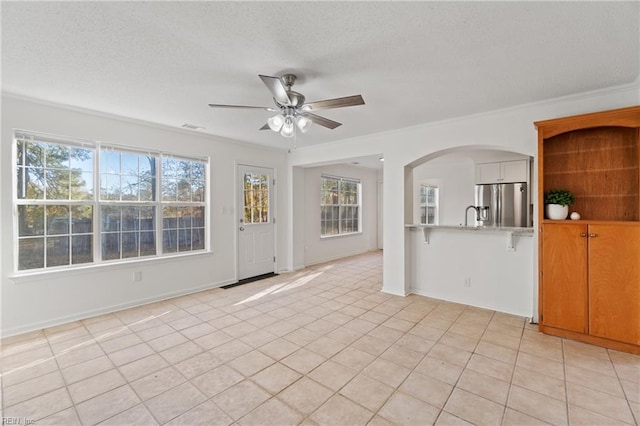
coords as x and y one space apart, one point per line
255 222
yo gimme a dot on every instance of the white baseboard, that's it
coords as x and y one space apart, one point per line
329 259
107 309
489 308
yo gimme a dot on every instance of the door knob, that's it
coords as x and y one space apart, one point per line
242 228
593 235
583 234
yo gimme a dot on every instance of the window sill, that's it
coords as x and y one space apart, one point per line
322 237
39 275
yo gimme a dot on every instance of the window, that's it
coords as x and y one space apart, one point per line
183 184
256 198
62 221
429 204
339 205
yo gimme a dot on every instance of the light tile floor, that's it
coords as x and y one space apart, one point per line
319 346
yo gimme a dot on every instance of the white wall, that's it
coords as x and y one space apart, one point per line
455 182
34 302
298 223
501 280
509 129
316 249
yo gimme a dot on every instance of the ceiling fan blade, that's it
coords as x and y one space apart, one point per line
242 107
324 122
334 103
275 86
265 127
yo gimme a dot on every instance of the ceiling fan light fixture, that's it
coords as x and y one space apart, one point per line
303 123
275 123
287 128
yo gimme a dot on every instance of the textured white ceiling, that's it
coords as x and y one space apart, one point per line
413 62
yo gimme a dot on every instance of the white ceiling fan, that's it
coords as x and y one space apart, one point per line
292 109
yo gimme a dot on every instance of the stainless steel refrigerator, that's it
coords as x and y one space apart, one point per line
507 203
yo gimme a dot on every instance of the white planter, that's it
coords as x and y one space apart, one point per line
557 211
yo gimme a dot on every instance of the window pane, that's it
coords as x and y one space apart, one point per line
57 251
110 187
129 244
81 159
30 220
184 190
110 246
197 171
169 217
31 183
198 217
56 156
130 218
147 188
81 185
184 239
184 217
256 197
431 215
82 219
182 168
129 188
197 239
111 218
57 184
147 218
129 164
110 162
169 189
30 253
168 168
147 165
31 154
81 249
170 241
197 194
57 220
147 243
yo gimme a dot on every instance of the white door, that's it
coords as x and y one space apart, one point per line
255 222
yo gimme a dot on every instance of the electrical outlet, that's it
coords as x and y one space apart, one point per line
467 282
137 276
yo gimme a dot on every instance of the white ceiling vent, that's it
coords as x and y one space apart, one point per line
192 126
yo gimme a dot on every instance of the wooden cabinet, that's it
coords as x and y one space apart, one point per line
503 172
564 276
614 304
589 286
591 279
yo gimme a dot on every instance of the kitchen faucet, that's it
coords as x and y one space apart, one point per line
466 213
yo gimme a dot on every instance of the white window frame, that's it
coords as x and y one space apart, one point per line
425 204
340 180
97 203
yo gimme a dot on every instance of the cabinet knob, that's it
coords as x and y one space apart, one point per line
583 234
593 235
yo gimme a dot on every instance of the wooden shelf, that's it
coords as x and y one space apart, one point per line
589 285
600 165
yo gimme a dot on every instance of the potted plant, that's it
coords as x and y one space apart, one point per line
557 203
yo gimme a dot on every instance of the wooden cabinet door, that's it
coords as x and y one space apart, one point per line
614 282
564 276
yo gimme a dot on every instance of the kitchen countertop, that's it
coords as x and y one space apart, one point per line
514 229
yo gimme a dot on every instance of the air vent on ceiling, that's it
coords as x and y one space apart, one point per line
192 126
